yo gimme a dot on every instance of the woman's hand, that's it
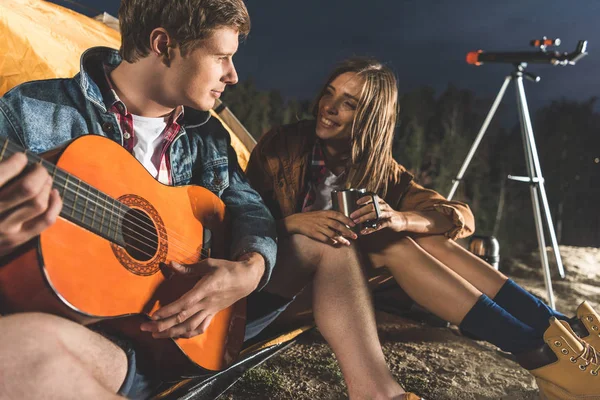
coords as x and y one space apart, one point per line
325 226
388 217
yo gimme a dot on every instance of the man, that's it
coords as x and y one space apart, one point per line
151 96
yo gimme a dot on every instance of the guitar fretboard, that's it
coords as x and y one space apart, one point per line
83 204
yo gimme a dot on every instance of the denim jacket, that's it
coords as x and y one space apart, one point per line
45 114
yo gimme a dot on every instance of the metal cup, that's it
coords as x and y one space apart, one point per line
345 200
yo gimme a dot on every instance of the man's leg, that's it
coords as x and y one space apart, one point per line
44 356
342 308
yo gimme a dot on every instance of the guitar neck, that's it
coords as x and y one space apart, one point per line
83 204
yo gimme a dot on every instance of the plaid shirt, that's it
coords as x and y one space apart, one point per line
125 120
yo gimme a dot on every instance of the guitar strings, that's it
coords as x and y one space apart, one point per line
120 216
176 242
149 228
136 248
182 260
184 254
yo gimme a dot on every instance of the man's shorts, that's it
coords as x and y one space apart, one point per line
262 309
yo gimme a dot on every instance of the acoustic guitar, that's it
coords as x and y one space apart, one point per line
103 261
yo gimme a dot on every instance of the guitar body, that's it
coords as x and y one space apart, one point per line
78 274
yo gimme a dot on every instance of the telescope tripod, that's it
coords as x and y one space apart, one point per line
534 171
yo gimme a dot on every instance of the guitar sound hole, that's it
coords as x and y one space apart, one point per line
140 235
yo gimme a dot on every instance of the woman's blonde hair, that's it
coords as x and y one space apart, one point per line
371 164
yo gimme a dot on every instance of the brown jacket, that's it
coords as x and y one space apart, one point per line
278 169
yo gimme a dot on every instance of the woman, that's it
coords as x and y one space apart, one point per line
349 145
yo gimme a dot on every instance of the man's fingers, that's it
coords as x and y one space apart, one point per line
31 208
189 328
188 301
11 167
35 226
29 219
200 269
24 188
201 323
55 205
206 323
162 323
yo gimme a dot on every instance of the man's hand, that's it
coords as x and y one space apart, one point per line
221 284
28 204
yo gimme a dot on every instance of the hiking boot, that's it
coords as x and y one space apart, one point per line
566 367
587 324
410 396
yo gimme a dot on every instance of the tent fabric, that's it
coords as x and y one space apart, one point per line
42 40
243 155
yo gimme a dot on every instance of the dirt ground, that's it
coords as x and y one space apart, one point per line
436 363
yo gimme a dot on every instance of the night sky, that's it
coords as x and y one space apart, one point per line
294 44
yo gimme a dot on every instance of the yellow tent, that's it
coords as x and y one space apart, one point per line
41 40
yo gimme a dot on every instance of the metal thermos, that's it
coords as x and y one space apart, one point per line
345 200
487 248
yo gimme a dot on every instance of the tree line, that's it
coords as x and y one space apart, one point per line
434 134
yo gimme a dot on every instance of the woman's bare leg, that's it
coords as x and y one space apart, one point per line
427 280
470 267
342 308
47 357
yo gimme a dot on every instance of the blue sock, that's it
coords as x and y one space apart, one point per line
526 307
490 322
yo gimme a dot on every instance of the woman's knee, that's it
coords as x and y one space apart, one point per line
395 250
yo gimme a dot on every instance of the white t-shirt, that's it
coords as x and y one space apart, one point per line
148 138
323 190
